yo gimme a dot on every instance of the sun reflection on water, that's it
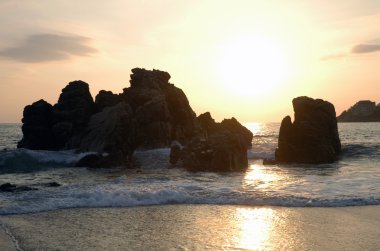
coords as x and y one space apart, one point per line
258 176
254 228
255 127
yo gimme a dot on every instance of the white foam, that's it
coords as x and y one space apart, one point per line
29 160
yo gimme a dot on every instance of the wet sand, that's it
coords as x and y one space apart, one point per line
6 243
195 227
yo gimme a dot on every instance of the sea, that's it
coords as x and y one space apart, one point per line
353 180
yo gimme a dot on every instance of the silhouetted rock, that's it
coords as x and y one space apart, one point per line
362 111
208 124
8 187
161 110
106 99
221 147
151 113
72 112
36 128
111 131
269 162
218 153
234 126
313 137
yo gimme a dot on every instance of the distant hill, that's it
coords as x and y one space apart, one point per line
362 111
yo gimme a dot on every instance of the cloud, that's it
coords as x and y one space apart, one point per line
356 49
334 56
46 47
365 48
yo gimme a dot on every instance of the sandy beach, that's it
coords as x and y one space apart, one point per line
194 227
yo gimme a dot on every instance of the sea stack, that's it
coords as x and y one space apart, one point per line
150 113
221 147
313 136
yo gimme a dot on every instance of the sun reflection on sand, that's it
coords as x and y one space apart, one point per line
254 228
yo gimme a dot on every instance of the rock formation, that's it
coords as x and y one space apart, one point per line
110 132
37 126
162 111
151 113
70 115
362 111
312 137
106 99
221 147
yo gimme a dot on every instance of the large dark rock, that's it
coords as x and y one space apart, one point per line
71 114
48 127
221 147
36 128
312 137
234 126
220 152
209 127
111 131
362 111
162 111
208 124
151 113
106 99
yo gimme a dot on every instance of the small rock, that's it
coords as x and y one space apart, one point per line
8 187
269 162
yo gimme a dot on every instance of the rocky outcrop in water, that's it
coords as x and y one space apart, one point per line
72 112
151 113
312 137
162 111
362 111
221 147
111 131
10 188
106 99
48 127
37 127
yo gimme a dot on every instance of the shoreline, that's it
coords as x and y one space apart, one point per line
195 227
6 241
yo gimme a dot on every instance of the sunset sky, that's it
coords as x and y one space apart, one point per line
246 59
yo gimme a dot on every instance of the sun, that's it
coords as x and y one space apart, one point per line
251 66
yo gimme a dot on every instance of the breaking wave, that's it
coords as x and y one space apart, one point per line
24 160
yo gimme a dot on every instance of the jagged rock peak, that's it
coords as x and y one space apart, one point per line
74 89
106 99
142 78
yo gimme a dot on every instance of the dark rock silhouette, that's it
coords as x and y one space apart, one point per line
221 147
219 152
234 126
111 131
71 114
362 111
8 187
37 126
106 99
208 124
312 137
162 111
151 113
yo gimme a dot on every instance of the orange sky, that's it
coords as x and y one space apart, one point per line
246 59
